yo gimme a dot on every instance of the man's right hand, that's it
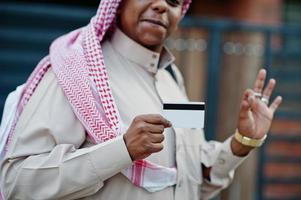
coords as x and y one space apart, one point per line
145 135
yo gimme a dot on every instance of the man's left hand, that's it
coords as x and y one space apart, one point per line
256 114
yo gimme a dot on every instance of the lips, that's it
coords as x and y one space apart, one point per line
157 22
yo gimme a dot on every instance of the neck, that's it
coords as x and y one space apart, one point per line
157 49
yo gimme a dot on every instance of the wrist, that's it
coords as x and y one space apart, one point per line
242 145
239 149
126 144
248 141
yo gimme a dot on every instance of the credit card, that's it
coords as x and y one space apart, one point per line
185 115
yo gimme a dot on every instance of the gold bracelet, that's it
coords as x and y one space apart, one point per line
249 141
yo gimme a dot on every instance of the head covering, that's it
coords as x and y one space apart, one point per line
77 60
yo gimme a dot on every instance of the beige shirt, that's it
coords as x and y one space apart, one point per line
51 158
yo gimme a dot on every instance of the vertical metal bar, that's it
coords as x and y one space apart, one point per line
268 58
213 72
261 178
268 54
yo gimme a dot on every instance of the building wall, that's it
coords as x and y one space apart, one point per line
254 11
238 73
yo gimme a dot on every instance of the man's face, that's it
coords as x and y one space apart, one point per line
149 22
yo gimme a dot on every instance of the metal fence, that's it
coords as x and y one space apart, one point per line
284 64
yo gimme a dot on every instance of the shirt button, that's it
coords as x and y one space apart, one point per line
221 161
154 56
152 65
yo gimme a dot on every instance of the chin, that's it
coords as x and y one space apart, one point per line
153 46
153 42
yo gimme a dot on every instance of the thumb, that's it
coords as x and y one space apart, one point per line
253 102
244 109
245 104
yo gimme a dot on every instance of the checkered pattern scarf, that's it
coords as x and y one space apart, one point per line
78 62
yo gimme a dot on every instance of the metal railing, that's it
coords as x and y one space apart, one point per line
216 29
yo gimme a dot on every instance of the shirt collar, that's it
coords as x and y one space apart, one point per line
140 55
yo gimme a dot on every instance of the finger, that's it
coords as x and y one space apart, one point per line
156 147
244 109
145 127
154 119
245 106
259 83
247 94
250 96
154 128
276 104
156 138
253 101
269 89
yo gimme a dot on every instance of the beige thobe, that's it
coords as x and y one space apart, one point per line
51 158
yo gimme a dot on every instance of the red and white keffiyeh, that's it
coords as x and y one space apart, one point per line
77 60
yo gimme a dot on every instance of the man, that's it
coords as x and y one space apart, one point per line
89 126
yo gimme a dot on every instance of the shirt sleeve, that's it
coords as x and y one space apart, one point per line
50 157
216 155
223 162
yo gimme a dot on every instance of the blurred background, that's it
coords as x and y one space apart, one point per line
219 47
